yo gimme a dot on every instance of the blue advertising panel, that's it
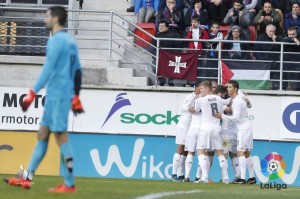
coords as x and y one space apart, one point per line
150 157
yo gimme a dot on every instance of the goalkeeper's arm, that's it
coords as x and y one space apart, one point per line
76 104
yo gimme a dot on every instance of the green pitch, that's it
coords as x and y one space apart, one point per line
93 188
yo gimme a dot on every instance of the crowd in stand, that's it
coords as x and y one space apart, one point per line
274 21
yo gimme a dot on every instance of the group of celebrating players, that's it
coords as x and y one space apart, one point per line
214 120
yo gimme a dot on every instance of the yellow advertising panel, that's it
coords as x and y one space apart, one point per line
17 147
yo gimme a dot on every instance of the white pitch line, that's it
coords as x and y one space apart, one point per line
164 194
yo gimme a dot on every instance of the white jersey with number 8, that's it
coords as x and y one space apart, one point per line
209 105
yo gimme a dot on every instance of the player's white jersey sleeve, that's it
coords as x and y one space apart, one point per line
189 100
226 101
243 96
186 116
239 113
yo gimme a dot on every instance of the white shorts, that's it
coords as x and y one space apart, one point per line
209 140
229 143
181 135
191 139
245 140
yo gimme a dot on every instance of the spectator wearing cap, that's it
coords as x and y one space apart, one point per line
268 15
145 9
196 11
172 15
292 18
238 15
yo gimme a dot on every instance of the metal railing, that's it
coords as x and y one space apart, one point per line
115 34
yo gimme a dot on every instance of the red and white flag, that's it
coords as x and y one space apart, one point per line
227 74
178 65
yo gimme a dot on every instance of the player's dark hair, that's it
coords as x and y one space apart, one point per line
60 12
165 22
207 84
221 89
238 1
234 83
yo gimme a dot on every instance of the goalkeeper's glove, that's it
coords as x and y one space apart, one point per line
27 100
76 105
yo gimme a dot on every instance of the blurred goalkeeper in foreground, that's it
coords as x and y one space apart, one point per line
61 75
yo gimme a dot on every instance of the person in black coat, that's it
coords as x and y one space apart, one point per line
236 50
269 36
291 37
197 10
172 15
164 32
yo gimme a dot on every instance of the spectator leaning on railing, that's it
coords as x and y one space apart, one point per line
198 11
238 15
236 49
217 9
269 36
146 9
172 15
267 16
288 55
164 32
292 18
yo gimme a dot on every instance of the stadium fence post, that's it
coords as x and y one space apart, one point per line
281 66
157 57
110 34
219 63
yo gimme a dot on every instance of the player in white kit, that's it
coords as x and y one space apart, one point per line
182 129
244 132
210 137
191 142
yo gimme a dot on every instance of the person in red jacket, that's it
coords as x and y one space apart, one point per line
196 31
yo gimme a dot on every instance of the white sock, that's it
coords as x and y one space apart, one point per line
250 167
188 165
236 168
224 167
199 171
242 164
204 164
181 169
176 160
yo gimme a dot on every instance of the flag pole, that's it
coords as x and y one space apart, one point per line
157 59
219 65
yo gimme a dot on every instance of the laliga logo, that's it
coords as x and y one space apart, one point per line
286 117
272 166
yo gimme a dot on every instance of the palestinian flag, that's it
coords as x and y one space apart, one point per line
250 75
